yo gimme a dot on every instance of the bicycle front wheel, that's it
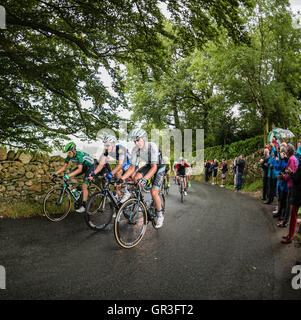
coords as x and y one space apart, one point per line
130 223
57 204
99 211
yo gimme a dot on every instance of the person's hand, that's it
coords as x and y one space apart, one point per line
119 181
91 176
53 175
277 159
289 171
261 161
109 175
142 182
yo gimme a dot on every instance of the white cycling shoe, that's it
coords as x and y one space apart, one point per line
159 219
81 209
125 197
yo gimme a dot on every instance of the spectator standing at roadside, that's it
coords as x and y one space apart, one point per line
264 165
291 168
240 170
234 168
214 171
224 170
207 169
282 189
296 203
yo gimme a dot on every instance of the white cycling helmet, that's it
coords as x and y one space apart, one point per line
110 139
138 133
181 159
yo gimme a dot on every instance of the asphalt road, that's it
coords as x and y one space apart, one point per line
217 245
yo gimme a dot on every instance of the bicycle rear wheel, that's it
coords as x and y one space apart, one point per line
57 204
99 211
130 223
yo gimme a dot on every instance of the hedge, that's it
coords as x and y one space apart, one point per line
230 151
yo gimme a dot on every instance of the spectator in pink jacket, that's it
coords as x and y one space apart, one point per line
291 167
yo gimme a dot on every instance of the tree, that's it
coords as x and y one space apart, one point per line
51 52
258 76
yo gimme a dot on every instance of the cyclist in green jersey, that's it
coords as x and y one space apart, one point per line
85 166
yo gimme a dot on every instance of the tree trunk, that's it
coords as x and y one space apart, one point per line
266 129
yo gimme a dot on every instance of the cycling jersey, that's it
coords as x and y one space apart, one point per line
151 154
120 153
181 170
81 158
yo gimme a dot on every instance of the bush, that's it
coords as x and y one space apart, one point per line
230 151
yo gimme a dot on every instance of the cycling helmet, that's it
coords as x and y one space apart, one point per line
138 133
70 146
181 159
110 139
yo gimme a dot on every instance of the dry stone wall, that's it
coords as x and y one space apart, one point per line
25 176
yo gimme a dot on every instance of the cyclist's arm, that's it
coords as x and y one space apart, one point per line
63 168
151 172
118 168
77 171
102 162
129 172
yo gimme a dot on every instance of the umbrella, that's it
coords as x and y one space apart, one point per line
280 133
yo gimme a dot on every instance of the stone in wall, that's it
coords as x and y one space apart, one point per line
25 157
3 154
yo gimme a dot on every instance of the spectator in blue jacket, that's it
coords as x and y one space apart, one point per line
280 165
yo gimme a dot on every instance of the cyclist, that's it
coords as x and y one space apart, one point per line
85 165
180 170
154 167
167 171
119 153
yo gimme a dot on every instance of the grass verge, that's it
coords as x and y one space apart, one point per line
21 209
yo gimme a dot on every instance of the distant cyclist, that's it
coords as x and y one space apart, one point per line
85 165
167 171
180 170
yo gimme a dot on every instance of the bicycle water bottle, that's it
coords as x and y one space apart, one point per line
76 194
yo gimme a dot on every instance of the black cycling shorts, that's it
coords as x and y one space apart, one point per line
158 177
86 171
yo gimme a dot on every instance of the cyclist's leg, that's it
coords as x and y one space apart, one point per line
185 182
156 187
118 176
86 171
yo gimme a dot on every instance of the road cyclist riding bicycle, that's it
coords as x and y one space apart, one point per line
180 170
120 154
85 165
154 168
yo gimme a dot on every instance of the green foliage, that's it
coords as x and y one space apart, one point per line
233 150
53 51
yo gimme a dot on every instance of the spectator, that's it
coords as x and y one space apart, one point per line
224 170
207 169
234 168
282 189
239 174
291 167
296 202
214 171
265 169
